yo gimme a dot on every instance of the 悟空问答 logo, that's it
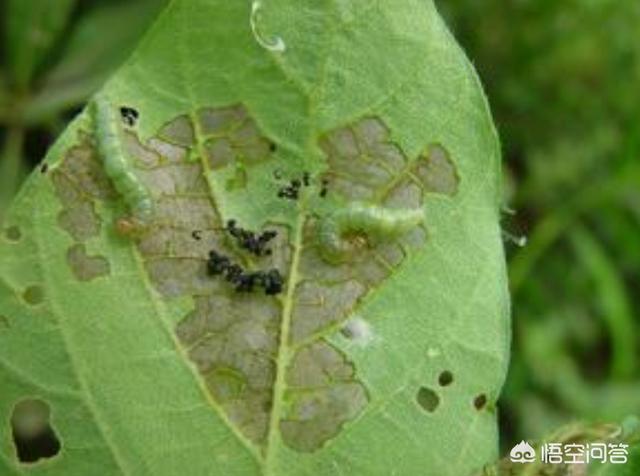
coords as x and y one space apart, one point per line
522 453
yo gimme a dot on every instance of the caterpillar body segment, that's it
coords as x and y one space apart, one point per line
343 231
119 169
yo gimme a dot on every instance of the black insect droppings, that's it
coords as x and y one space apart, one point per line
270 281
233 273
44 168
249 240
272 147
288 193
245 282
217 264
129 115
291 191
196 235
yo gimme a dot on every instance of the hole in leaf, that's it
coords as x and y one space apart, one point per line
428 399
13 233
33 436
480 401
33 295
445 378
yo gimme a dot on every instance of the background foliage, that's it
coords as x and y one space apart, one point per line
562 78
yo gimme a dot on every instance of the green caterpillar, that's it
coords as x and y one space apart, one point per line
343 231
119 169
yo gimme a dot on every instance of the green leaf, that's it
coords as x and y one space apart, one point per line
329 123
32 28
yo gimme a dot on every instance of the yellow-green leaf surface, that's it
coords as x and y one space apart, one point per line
328 124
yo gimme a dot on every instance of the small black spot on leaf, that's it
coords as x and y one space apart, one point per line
129 115
480 401
291 191
44 168
445 378
33 436
428 399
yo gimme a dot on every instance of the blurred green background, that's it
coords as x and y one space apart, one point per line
563 79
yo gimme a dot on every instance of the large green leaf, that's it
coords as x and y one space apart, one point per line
384 360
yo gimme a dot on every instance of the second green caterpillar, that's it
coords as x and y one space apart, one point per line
360 220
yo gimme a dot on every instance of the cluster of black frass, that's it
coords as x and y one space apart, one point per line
271 281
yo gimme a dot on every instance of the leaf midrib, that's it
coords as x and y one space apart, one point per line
284 352
265 457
